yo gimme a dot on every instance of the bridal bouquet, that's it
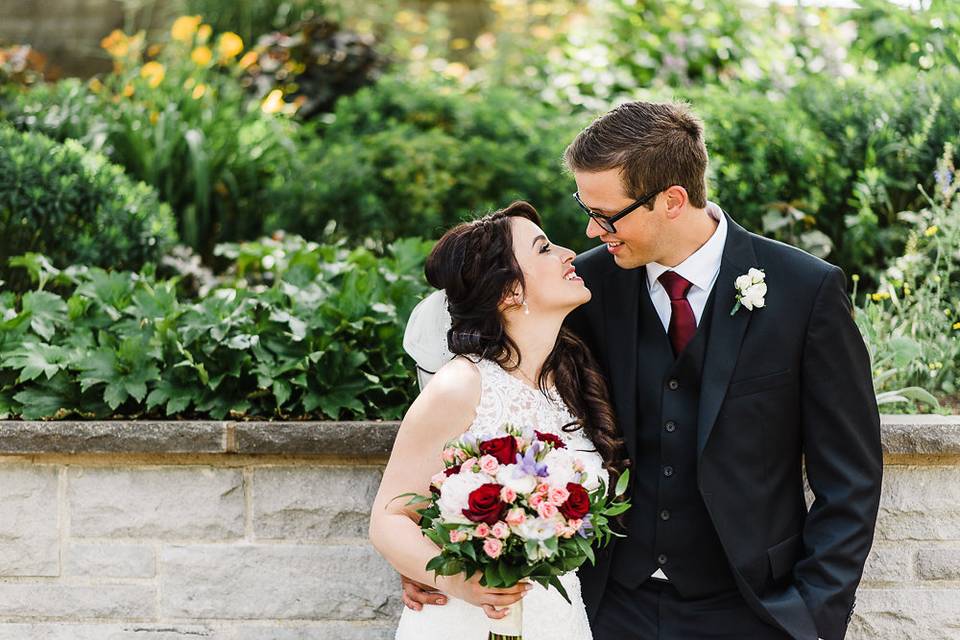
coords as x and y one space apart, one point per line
517 505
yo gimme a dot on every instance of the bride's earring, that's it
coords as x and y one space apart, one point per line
526 308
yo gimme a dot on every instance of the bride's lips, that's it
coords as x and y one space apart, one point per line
575 277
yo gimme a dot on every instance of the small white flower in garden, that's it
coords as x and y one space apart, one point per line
751 290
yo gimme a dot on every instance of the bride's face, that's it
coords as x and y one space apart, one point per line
551 282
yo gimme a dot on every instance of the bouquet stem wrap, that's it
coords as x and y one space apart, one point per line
509 627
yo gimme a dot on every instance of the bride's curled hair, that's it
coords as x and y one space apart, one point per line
475 264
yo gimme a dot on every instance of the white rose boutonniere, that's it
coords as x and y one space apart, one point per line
751 290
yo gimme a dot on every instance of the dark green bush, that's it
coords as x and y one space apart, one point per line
74 206
295 331
401 158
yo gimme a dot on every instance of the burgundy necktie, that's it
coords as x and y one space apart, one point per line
683 324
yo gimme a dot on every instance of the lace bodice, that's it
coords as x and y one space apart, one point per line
506 398
546 615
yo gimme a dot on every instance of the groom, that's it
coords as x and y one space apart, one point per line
734 364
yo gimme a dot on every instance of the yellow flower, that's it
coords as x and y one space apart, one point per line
184 27
931 230
956 325
229 45
203 33
198 91
96 86
248 59
116 44
855 277
202 56
273 102
153 72
128 90
877 297
154 116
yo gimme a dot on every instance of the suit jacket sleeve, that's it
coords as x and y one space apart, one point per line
844 461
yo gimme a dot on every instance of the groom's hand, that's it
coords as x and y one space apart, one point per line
416 594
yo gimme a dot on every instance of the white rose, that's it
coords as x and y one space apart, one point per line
522 483
593 467
755 275
743 282
560 469
455 495
753 297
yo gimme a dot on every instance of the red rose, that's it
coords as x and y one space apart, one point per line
551 438
449 471
503 449
485 504
577 504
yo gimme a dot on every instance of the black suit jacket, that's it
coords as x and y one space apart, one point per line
782 384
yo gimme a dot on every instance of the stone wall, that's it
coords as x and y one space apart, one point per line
256 531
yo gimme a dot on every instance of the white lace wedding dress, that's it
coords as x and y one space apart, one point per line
546 615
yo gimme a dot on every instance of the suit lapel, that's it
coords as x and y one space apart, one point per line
621 303
726 331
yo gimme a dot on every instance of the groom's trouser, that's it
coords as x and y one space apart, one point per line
656 611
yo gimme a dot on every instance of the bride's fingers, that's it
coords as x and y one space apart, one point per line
503 600
493 613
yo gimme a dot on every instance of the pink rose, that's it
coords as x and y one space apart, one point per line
450 455
500 530
508 495
489 464
547 510
516 517
536 499
456 535
557 495
467 465
492 547
482 530
543 488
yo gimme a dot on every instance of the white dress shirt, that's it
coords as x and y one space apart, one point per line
701 268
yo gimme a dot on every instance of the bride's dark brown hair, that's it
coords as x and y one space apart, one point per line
475 264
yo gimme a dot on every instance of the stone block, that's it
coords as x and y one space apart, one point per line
29 537
195 502
277 582
317 502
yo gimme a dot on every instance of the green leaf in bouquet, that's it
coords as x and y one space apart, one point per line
435 563
622 483
555 583
586 548
468 549
616 508
491 575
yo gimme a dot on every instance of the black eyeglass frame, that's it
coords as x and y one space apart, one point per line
606 222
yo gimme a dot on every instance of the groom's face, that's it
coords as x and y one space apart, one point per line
640 234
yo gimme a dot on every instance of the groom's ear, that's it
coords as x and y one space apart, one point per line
675 199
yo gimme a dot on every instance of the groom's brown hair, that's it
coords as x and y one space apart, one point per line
655 146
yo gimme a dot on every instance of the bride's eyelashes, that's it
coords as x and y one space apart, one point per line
545 248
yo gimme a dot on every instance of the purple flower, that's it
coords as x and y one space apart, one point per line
585 527
527 463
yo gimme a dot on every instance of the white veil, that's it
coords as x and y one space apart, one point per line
425 337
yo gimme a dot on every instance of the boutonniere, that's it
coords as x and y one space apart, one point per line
750 290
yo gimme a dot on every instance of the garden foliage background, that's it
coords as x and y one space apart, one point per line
231 219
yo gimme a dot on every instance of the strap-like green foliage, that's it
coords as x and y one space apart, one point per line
298 331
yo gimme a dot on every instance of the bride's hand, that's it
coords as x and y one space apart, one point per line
493 600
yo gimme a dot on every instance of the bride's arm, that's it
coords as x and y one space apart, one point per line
443 410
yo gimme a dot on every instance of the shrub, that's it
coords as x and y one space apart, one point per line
74 206
912 321
178 119
402 158
297 330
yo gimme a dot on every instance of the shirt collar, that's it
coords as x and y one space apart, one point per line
702 265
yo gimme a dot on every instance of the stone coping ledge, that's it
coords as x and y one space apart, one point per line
902 435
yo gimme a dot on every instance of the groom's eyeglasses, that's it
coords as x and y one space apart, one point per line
606 222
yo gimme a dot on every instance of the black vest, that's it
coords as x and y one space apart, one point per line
668 526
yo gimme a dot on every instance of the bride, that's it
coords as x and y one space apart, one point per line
508 290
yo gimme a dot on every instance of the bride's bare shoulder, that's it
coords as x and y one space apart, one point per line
447 405
457 381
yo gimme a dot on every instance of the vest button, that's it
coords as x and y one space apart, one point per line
672 384
670 426
662 559
664 515
668 471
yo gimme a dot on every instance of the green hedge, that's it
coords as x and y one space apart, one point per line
74 206
298 330
406 158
